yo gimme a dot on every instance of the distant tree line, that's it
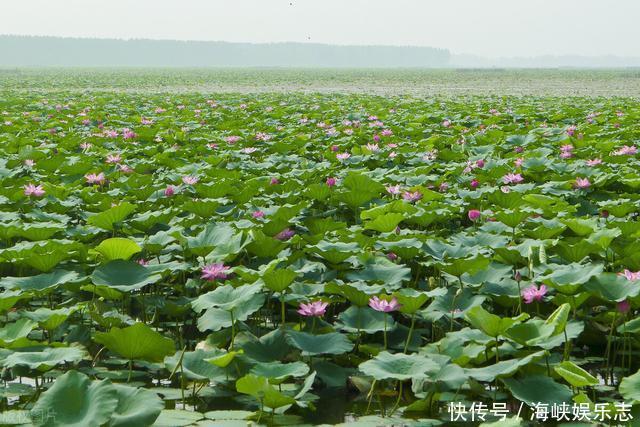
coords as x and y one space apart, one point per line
86 52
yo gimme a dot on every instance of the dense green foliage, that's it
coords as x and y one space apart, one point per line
193 260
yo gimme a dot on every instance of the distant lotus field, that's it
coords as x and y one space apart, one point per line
292 259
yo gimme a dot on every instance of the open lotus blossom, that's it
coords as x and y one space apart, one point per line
249 150
331 181
285 234
582 183
93 178
412 196
232 139
386 132
512 178
313 309
571 130
32 190
384 305
169 191
626 150
190 179
143 261
594 162
446 123
474 214
128 134
113 158
534 293
216 271
29 163
125 169
343 156
274 181
393 189
258 214
372 147
630 275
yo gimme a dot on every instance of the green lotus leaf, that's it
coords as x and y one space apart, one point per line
117 248
278 372
575 375
399 366
41 282
123 275
311 345
364 319
75 400
136 406
108 219
536 389
259 388
194 365
136 342
45 359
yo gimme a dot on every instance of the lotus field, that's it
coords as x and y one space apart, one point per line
289 259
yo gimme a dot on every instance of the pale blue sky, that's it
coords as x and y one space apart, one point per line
483 27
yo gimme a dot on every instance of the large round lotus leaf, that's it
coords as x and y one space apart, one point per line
195 367
575 375
136 407
76 401
537 389
261 389
630 387
123 275
177 418
331 343
364 319
41 281
136 342
117 248
280 371
399 366
107 219
45 359
11 332
225 297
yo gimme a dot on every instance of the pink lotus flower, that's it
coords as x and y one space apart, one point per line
343 156
630 275
393 189
331 181
125 169
391 256
392 155
285 234
474 214
143 261
443 186
334 148
190 179
518 149
93 178
232 139
258 214
160 110
372 147
518 162
85 145
274 181
534 293
145 121
571 130
384 305
626 150
446 123
111 133
29 163
261 136
386 132
512 178
566 147
480 163
169 191
33 190
215 271
113 158
128 134
314 309
249 150
582 183
594 162
376 138
474 183
412 196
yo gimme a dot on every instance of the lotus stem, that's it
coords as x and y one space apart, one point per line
413 323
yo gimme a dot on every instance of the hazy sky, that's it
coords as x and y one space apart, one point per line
483 27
